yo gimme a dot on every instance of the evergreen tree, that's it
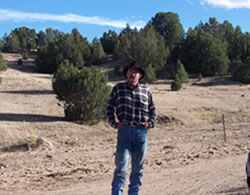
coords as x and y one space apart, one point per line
181 72
13 43
200 77
176 85
60 47
109 41
84 92
3 65
242 72
169 26
1 45
147 48
98 55
237 45
202 53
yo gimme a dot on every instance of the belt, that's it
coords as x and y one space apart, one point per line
133 124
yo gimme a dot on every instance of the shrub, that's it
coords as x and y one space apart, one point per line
242 73
200 77
3 65
150 74
176 85
181 72
25 55
20 62
84 92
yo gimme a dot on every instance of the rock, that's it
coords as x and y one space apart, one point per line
2 166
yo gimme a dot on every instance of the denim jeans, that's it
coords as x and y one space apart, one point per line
131 141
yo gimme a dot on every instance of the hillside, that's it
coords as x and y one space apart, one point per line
186 153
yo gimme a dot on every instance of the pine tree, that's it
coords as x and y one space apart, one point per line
242 72
181 72
200 77
13 43
176 84
98 54
146 47
3 65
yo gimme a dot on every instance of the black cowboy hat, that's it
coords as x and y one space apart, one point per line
134 66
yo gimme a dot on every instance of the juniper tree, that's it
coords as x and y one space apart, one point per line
242 72
181 72
176 84
98 55
3 65
83 92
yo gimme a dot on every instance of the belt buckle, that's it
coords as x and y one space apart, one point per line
134 124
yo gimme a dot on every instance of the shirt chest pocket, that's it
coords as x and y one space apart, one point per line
144 103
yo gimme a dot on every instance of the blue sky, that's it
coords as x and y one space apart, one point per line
94 17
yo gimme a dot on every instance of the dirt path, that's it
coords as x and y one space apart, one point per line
186 151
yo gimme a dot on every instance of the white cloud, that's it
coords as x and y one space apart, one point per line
228 4
18 16
190 2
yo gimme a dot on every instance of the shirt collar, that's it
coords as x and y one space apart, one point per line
137 86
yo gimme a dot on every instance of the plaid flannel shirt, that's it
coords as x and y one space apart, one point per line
130 105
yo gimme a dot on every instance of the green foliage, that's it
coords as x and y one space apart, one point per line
26 38
3 64
13 43
25 55
1 80
202 53
150 73
109 41
20 62
181 72
237 45
72 47
200 77
21 38
169 26
84 92
242 72
98 55
145 47
1 45
176 85
32 141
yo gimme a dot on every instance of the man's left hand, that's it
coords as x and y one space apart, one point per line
145 125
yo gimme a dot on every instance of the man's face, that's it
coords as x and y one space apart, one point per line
133 76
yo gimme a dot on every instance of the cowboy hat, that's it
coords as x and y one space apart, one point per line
133 66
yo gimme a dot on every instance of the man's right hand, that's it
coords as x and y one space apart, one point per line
119 125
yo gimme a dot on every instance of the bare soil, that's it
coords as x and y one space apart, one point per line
187 150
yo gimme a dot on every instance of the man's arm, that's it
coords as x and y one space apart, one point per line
110 110
152 113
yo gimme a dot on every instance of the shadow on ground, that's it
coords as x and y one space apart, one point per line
234 191
30 92
29 117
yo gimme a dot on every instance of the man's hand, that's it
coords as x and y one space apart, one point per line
119 125
145 125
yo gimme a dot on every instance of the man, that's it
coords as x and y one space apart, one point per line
132 104
248 172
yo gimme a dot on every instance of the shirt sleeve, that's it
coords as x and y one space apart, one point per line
110 109
152 113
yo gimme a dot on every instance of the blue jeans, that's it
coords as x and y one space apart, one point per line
131 141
